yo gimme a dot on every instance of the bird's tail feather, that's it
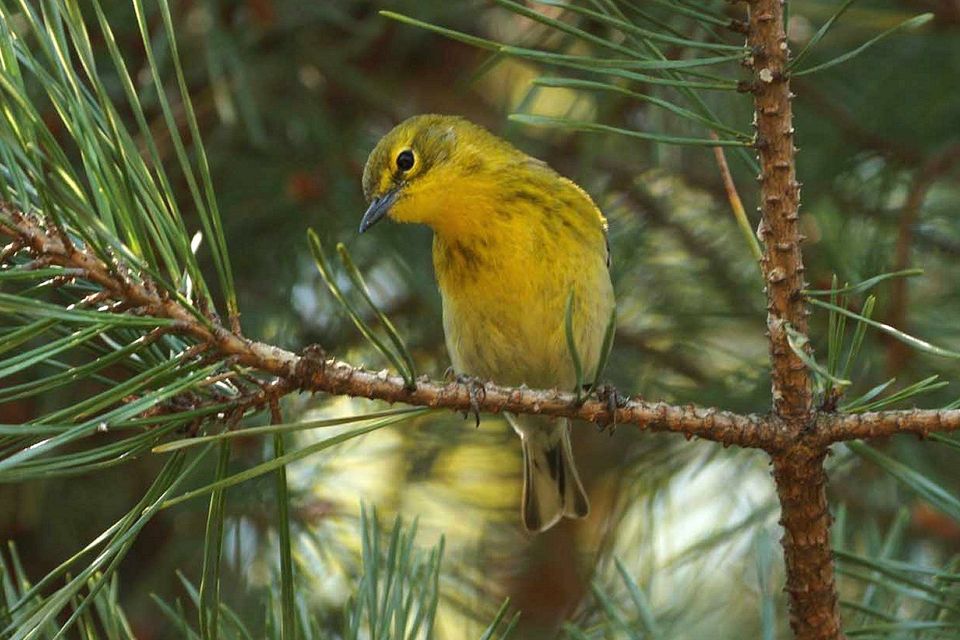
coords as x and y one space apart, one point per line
551 485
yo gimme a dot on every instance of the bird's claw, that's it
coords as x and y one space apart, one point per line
478 393
614 400
313 360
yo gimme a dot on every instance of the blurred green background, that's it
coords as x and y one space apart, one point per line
291 96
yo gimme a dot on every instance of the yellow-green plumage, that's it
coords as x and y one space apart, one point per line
512 241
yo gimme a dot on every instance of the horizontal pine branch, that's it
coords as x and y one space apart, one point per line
314 371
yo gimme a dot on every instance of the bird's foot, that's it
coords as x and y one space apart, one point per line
614 400
313 360
478 393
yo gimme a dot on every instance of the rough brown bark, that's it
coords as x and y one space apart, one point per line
797 470
881 424
780 203
805 516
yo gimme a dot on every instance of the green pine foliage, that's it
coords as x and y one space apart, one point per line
194 144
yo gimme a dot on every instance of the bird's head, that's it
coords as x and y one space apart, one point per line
430 169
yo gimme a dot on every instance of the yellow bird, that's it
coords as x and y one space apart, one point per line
513 241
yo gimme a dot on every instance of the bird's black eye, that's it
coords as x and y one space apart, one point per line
405 160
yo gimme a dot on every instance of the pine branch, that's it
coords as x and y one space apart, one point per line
883 424
780 203
797 469
805 516
313 371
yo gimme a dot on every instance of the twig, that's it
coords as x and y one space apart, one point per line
735 203
882 424
9 251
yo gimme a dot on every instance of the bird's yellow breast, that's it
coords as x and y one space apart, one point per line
505 285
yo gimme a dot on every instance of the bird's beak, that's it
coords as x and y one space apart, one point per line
379 207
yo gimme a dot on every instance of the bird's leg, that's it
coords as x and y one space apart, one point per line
478 393
615 400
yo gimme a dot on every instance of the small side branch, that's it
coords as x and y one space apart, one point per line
883 424
736 205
